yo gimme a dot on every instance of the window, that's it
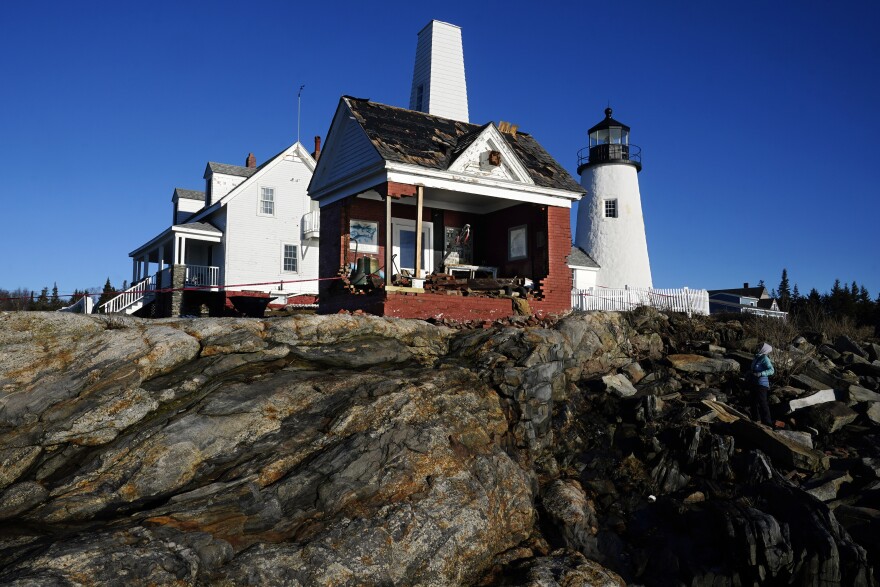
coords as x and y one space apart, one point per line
267 201
420 97
363 236
289 262
517 243
611 208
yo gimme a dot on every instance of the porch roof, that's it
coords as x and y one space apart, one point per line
194 230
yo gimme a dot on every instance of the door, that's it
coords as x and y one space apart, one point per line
404 246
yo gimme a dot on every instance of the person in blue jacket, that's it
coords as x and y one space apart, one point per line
759 384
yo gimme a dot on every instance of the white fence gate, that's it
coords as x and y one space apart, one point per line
690 301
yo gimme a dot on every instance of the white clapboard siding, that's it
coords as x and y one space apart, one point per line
348 151
253 242
439 69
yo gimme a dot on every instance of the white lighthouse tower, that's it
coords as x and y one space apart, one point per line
610 226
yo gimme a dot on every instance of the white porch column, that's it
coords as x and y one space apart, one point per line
161 257
134 270
179 250
420 192
388 264
146 262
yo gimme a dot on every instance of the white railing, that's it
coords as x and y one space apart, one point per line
136 293
720 305
84 305
690 301
764 312
311 224
202 276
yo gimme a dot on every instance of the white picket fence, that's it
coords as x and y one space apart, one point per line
690 301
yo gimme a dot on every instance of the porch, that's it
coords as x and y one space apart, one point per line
471 245
196 245
179 258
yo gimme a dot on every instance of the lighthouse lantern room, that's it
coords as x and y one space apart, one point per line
610 226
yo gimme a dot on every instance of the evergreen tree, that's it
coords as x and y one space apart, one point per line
55 301
761 283
42 303
864 307
796 300
784 294
835 302
108 293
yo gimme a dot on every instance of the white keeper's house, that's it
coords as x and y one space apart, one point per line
252 233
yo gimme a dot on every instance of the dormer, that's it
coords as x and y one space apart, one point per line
220 178
186 203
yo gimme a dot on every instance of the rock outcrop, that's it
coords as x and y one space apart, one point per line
353 450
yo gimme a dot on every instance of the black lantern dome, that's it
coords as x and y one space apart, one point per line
609 143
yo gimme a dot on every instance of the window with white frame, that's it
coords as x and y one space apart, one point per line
267 201
289 258
611 208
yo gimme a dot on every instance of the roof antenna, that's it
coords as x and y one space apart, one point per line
298 102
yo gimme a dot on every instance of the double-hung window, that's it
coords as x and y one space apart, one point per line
288 262
611 208
267 201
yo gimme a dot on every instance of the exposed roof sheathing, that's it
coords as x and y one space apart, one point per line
417 138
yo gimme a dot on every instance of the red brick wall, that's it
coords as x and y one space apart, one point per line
461 308
556 286
329 253
371 303
493 241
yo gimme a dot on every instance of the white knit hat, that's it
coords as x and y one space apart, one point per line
765 350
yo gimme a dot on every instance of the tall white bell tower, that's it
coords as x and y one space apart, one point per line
438 85
610 226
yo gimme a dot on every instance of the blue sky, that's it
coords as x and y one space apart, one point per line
758 121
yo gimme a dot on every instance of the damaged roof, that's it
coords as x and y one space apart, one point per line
417 138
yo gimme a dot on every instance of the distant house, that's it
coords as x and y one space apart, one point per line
401 186
253 230
745 299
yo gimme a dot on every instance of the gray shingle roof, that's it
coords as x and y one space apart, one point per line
745 292
203 226
407 136
189 194
579 258
227 169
